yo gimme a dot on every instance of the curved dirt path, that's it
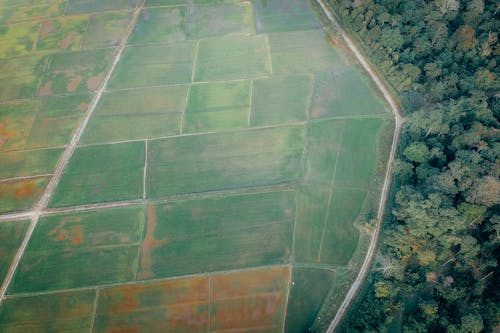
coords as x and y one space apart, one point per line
365 267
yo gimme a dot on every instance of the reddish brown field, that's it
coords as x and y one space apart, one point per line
245 301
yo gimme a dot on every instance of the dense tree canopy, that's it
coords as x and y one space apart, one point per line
437 270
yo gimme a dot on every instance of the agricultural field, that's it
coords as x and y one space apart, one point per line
181 166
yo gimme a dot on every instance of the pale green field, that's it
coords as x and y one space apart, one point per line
222 179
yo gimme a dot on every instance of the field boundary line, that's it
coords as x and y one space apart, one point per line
145 171
12 217
64 159
209 324
365 267
330 195
6 180
287 297
269 54
250 104
94 310
143 282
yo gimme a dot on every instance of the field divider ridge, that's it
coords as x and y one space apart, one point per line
250 106
399 120
330 195
68 153
287 295
94 310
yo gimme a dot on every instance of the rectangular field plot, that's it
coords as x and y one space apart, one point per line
232 57
90 6
19 77
21 10
358 160
62 34
224 161
57 119
303 52
215 235
106 29
220 19
46 122
152 65
75 72
28 163
176 306
217 106
246 301
76 250
307 293
18 39
283 15
137 114
312 205
323 144
120 179
345 92
11 237
160 25
341 237
280 100
61 312
249 301
16 195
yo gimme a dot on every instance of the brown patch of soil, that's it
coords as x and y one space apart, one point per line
187 316
148 245
129 303
24 191
45 29
74 83
46 90
94 81
77 235
83 106
130 329
67 41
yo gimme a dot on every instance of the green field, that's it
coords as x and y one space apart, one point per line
221 180
137 114
214 236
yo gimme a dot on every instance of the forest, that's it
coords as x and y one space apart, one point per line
437 265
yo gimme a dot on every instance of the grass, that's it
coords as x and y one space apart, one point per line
62 312
232 57
220 19
106 29
11 236
88 6
214 235
19 77
283 15
57 119
21 10
102 244
62 34
152 65
217 106
28 163
224 161
160 25
358 159
281 100
18 39
303 52
307 293
345 92
18 195
121 179
341 237
137 114
75 72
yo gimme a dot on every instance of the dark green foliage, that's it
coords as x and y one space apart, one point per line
438 267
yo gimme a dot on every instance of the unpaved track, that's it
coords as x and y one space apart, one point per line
63 161
365 268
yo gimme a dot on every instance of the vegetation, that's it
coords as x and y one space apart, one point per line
437 268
